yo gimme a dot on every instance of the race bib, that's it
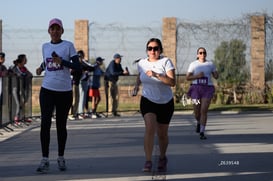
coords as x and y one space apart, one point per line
202 81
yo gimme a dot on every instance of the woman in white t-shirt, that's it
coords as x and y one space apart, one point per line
201 90
59 57
157 76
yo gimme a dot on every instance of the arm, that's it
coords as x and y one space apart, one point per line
215 74
40 69
136 88
168 79
190 76
75 64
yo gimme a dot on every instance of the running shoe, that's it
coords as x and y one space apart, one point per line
27 120
162 164
71 118
147 166
61 164
94 116
202 136
43 167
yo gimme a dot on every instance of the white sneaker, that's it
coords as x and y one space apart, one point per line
94 116
80 117
71 117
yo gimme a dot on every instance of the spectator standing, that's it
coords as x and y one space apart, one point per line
3 68
200 72
112 73
21 81
76 76
59 57
3 73
157 76
86 69
94 86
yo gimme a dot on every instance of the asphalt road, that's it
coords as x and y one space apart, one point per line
239 147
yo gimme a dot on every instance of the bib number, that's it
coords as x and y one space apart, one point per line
202 81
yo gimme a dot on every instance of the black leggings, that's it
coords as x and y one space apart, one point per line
61 102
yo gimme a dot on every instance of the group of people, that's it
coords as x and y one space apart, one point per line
86 84
86 87
20 80
156 76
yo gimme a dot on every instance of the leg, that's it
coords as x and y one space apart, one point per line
197 112
115 97
76 102
106 89
163 139
93 105
63 103
205 102
17 102
150 129
197 115
47 107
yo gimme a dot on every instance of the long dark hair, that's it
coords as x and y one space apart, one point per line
19 59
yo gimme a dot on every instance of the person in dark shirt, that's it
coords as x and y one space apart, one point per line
94 85
3 73
112 73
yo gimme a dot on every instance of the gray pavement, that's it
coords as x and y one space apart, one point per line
239 147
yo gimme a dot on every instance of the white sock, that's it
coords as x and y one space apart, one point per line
202 128
45 158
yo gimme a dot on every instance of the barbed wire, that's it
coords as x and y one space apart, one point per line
107 39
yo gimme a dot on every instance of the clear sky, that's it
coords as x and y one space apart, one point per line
26 15
37 13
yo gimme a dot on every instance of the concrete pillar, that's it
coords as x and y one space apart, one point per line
169 38
81 36
258 51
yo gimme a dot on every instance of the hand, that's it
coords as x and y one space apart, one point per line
200 75
149 73
126 72
135 90
55 58
39 71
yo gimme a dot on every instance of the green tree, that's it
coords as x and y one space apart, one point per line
231 64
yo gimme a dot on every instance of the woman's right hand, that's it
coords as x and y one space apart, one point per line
200 75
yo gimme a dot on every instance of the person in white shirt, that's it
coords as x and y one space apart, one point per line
201 91
59 57
157 76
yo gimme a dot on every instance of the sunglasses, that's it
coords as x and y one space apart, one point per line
200 53
153 48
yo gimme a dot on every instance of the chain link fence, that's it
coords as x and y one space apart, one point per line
107 39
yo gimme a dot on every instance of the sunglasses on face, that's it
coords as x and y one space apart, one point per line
204 53
153 48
